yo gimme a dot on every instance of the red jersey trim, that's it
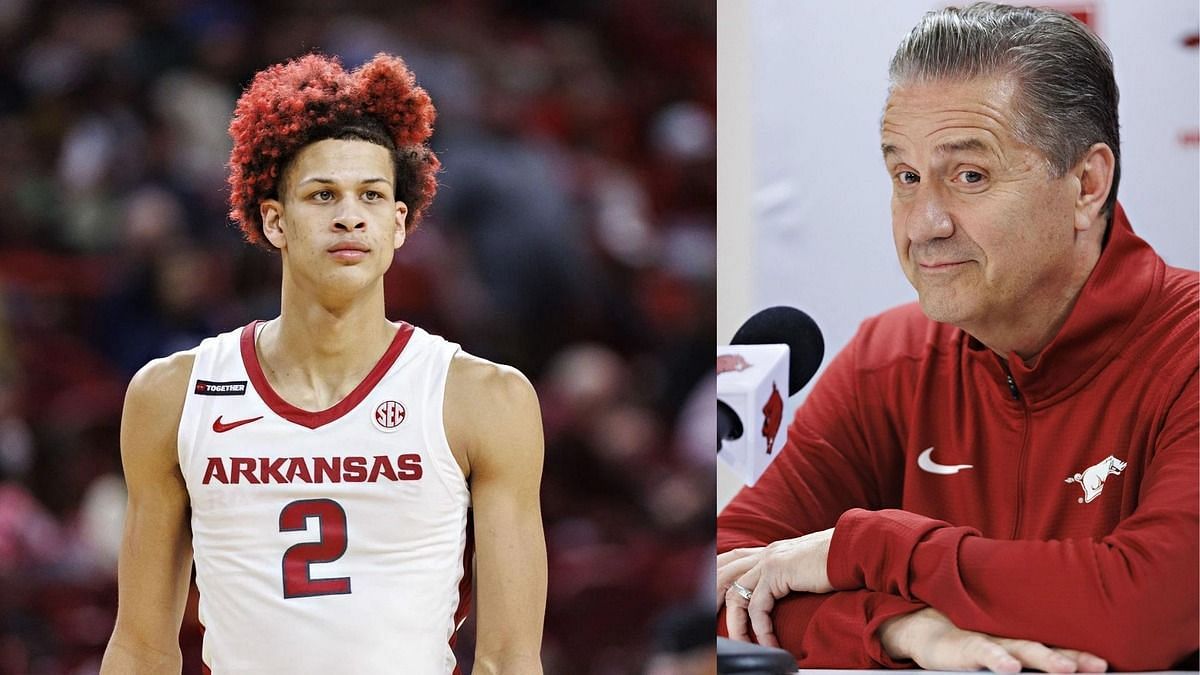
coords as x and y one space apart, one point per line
308 418
464 586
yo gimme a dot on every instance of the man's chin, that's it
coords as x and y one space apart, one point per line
941 309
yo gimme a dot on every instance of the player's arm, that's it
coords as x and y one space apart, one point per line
156 551
493 414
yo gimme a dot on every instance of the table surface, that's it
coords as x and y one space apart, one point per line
973 672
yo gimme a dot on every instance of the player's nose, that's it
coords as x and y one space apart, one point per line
349 217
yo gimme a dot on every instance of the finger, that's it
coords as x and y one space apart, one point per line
1090 663
735 616
730 571
747 580
759 610
1085 662
751 578
984 652
735 554
1037 655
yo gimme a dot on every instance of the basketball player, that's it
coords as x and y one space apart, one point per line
320 467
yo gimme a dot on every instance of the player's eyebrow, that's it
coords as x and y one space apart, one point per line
329 181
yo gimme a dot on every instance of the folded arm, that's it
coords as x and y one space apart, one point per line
1130 597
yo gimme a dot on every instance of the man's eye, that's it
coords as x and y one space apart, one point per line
970 176
323 195
371 195
908 177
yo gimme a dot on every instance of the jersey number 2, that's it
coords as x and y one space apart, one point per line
331 525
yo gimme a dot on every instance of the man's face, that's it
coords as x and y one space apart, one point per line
337 222
982 227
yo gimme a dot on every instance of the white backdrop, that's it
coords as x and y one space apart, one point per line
803 216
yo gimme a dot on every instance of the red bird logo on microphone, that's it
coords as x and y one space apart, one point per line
731 363
772 416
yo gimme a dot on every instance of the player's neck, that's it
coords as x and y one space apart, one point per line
313 355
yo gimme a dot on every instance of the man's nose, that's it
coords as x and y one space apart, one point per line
929 218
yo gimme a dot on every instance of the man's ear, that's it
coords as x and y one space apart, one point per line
271 211
1094 173
401 218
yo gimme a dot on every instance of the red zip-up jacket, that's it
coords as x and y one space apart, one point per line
1076 522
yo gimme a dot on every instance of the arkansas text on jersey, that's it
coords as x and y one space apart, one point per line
265 470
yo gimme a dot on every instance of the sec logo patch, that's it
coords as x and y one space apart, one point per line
388 415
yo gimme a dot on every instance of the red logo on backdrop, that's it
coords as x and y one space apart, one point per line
1190 137
772 416
1086 14
389 415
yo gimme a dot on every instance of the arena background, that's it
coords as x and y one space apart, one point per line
804 215
573 237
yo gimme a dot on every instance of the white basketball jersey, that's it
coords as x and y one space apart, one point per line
332 541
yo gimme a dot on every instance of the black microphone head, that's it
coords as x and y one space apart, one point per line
787 326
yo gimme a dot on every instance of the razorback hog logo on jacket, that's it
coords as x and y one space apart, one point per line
1092 479
731 363
772 416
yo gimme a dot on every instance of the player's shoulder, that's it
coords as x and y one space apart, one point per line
150 421
161 384
483 396
165 372
491 412
478 381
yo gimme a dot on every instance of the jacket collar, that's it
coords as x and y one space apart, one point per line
1102 321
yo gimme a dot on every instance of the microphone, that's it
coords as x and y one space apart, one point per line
772 356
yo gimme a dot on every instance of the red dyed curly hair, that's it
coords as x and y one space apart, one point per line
308 99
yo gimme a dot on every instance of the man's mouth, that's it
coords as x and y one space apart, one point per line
941 265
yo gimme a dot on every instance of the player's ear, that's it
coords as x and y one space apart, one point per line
401 218
272 218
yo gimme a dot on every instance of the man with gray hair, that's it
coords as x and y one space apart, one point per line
1005 474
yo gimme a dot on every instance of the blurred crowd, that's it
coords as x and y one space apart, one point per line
573 237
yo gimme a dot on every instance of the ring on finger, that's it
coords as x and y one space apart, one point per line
742 591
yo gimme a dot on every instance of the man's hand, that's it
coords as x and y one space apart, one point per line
768 573
935 643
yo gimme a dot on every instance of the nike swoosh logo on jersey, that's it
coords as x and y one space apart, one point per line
925 461
221 427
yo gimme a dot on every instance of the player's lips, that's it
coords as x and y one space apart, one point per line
349 250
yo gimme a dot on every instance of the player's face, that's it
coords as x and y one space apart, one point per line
981 224
337 223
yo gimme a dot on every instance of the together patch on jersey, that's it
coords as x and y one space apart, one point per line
207 388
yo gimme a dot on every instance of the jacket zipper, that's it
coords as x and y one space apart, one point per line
1016 396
